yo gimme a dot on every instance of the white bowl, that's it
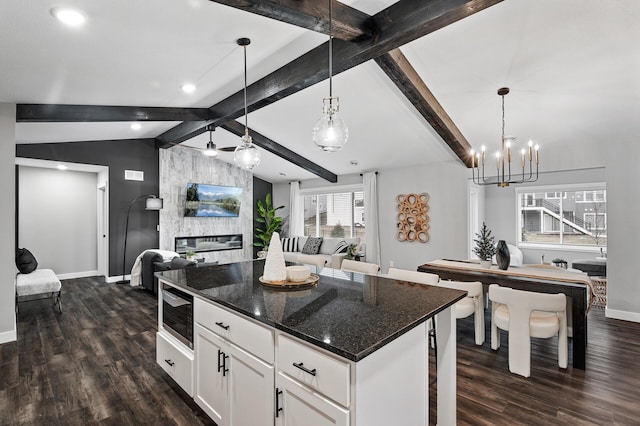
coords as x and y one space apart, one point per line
297 274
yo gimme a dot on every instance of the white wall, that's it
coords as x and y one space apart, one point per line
620 160
7 222
58 219
182 165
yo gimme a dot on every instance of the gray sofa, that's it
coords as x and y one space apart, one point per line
327 250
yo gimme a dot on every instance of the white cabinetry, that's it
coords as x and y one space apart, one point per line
232 385
176 360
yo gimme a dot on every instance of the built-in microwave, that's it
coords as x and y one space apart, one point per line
177 314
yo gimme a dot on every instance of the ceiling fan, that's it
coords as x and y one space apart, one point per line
211 150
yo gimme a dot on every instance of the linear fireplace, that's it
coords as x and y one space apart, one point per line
208 243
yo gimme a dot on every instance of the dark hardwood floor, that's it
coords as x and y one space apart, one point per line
95 364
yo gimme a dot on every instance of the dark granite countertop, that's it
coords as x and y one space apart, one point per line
349 314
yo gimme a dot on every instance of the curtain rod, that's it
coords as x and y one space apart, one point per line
374 172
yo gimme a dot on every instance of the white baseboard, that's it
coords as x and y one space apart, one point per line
72 275
117 278
8 336
622 315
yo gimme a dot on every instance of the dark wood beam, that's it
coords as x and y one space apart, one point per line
279 150
348 23
401 23
406 78
38 113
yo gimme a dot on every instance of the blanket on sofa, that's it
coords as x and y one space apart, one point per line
136 270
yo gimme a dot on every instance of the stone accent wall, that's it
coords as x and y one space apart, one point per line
182 165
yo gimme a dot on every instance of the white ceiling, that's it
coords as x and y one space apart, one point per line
573 67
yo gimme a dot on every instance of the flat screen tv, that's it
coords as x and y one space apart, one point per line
212 200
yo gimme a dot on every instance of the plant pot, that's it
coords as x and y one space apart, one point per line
485 264
262 254
503 258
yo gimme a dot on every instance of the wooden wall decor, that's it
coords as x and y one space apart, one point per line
413 217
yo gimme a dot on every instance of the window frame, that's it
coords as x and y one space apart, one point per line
585 187
334 190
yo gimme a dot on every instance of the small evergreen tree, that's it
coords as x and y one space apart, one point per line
485 246
337 230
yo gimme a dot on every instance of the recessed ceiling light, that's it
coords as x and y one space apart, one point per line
188 88
136 126
353 163
71 17
282 174
62 167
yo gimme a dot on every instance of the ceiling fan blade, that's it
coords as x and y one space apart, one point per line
227 149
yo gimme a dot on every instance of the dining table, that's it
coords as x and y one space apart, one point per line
576 286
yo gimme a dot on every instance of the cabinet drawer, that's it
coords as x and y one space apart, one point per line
324 373
251 337
176 361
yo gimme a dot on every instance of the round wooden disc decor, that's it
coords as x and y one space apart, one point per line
413 218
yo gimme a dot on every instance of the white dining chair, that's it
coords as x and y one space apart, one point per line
361 267
413 276
526 314
308 259
473 304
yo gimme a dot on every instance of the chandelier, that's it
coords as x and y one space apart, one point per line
503 160
330 133
246 155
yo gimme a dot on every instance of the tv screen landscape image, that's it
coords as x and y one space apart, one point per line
212 201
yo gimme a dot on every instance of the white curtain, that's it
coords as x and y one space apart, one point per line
296 211
372 239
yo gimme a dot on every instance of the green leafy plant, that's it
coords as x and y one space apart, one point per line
352 251
485 245
189 253
270 223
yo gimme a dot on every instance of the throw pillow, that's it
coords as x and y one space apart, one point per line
341 247
312 246
290 244
25 261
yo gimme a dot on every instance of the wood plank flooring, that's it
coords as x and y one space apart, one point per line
95 364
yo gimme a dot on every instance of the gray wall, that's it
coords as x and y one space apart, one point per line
182 165
118 155
446 185
58 219
7 222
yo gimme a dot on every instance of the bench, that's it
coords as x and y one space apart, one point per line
39 282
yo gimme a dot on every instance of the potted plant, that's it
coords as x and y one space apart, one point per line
270 223
190 255
485 246
352 251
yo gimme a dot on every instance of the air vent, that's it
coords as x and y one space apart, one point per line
134 175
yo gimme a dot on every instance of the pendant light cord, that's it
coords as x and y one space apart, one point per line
330 48
246 125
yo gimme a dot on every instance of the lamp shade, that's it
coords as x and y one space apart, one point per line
154 203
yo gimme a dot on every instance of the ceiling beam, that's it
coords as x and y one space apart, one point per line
406 78
348 23
58 113
400 23
279 150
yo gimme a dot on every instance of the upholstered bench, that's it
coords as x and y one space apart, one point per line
39 282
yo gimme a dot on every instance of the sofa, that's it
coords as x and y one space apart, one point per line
153 262
332 249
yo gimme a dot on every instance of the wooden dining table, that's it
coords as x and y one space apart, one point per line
577 287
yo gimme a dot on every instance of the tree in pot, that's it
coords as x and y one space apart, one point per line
270 223
485 246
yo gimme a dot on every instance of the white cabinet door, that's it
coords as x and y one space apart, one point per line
251 393
302 407
211 382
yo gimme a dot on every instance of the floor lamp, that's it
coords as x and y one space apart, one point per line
153 203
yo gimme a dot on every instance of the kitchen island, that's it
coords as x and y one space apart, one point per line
352 350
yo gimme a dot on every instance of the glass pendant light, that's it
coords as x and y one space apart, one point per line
210 151
330 133
246 155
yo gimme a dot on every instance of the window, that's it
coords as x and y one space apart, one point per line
334 214
563 216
